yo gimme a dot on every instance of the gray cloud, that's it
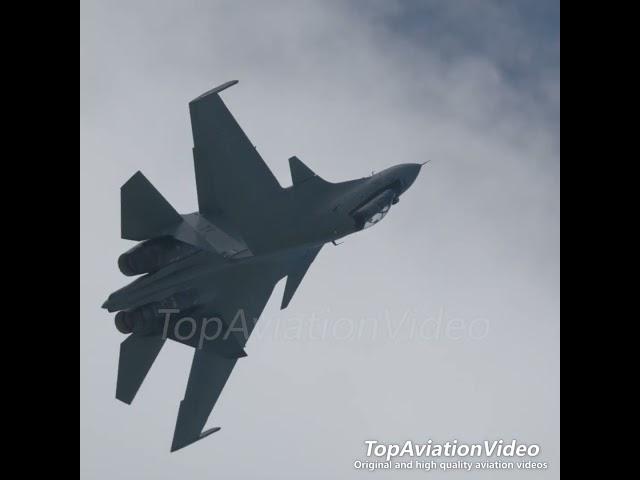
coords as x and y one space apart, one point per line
349 87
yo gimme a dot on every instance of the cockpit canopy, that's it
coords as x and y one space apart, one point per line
374 209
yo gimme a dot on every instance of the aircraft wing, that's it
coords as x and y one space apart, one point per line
232 180
246 290
238 304
209 373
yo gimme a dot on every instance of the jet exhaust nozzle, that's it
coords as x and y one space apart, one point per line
147 319
151 255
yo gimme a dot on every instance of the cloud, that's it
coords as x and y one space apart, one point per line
349 87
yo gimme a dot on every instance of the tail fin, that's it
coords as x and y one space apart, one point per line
144 211
300 172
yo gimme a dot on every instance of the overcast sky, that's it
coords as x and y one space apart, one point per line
455 293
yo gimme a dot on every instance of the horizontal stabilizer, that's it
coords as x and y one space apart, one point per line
144 212
137 354
296 274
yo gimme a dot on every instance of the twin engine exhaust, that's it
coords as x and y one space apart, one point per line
147 319
151 255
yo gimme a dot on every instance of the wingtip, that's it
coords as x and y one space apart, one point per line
217 89
121 398
175 446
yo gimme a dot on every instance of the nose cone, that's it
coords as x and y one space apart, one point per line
408 174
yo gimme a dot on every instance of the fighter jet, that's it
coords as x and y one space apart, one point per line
205 277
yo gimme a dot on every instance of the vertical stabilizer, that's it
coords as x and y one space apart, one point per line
300 172
144 212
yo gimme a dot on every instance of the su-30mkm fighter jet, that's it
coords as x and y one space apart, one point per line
206 276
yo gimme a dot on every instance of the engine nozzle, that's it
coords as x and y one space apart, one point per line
147 319
152 255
